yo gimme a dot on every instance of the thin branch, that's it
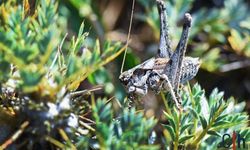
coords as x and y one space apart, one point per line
235 66
128 37
15 135
84 92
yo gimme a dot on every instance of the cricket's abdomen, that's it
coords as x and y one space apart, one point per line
190 67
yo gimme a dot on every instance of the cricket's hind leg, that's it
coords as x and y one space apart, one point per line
164 50
157 82
180 51
174 67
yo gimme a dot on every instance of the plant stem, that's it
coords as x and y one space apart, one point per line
165 103
176 142
193 105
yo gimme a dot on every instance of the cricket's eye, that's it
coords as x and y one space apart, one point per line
124 80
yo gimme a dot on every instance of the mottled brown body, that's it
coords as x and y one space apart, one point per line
168 69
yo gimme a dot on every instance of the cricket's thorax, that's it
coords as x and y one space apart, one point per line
151 64
136 80
142 71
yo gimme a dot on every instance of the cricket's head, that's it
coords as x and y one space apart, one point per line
125 77
134 81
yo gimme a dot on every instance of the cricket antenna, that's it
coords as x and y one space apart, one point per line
129 32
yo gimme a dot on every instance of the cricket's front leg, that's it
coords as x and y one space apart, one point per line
155 82
165 50
167 86
134 92
138 90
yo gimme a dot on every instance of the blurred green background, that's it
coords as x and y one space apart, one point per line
219 36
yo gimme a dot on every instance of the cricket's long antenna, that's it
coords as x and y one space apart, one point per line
128 37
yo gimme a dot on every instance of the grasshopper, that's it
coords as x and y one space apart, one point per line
168 68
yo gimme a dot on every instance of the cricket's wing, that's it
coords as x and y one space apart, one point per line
152 64
146 65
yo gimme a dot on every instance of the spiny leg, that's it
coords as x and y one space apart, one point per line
171 90
164 50
181 48
138 90
134 92
179 53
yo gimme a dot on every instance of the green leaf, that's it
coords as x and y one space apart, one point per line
171 121
215 96
170 131
245 133
100 77
30 78
80 32
148 147
4 70
193 112
73 66
221 117
203 122
215 133
219 123
185 138
186 126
